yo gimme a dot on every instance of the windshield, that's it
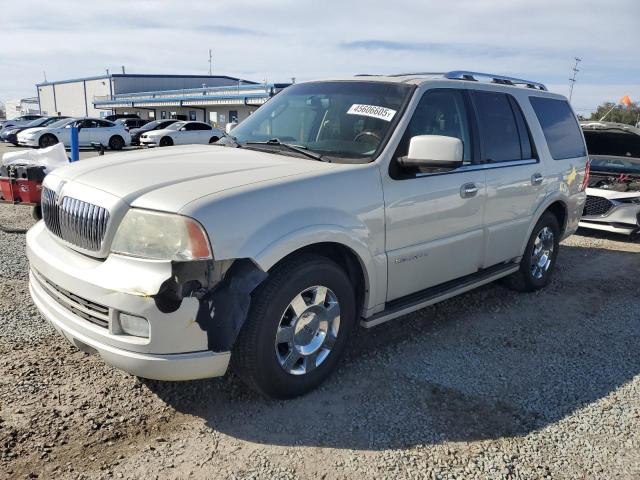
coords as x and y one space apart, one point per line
175 126
61 123
36 123
347 120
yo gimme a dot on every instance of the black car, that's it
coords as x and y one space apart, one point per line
154 125
117 116
10 134
131 123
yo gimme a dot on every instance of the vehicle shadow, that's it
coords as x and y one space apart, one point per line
489 364
601 234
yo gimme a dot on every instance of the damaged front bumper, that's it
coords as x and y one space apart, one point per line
83 298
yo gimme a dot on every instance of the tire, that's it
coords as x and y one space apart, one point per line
278 369
166 142
47 140
116 142
213 140
533 275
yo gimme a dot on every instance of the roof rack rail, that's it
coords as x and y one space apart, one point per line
500 79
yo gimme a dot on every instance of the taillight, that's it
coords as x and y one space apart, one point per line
585 180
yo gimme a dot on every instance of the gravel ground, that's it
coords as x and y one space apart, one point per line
492 384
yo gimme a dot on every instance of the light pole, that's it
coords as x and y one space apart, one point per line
573 78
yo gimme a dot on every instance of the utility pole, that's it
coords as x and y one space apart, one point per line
573 78
210 63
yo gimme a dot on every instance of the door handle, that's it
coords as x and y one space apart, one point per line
537 179
468 190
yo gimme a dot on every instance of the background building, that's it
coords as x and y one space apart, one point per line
215 105
22 106
76 97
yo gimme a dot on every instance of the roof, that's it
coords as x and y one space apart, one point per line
457 75
141 75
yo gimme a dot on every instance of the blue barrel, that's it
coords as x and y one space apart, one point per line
75 149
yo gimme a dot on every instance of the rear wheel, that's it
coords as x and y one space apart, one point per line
166 142
297 329
47 140
539 260
116 142
213 139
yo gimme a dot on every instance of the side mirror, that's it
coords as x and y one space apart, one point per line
433 151
183 129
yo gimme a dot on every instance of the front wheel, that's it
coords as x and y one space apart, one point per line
539 260
116 143
47 140
166 142
297 329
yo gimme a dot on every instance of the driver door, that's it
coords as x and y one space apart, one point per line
434 221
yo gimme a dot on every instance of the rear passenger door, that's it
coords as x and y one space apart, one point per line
514 174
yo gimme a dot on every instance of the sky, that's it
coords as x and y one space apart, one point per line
280 39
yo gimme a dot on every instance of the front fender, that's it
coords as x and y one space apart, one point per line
373 265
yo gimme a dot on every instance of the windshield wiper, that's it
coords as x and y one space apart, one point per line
233 142
301 149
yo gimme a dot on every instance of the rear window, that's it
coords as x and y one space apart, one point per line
560 127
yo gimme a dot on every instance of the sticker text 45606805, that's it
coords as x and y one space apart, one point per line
374 111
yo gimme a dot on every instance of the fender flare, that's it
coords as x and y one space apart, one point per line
550 199
373 265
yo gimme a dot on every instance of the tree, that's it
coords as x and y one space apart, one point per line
621 114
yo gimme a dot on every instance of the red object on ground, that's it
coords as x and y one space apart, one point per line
21 184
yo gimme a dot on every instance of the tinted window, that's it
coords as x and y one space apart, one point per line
440 112
560 127
526 146
102 123
497 126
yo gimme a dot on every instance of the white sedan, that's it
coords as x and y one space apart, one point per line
181 133
91 130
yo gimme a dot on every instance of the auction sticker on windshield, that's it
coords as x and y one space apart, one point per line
374 111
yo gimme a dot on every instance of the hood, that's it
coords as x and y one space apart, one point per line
169 178
164 131
28 131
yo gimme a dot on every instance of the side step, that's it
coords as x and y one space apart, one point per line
429 296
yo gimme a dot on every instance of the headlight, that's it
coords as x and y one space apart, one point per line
161 236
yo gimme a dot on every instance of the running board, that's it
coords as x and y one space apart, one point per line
424 298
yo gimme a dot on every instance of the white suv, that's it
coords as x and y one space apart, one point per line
337 204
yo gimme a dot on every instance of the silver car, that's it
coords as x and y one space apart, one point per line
337 204
613 193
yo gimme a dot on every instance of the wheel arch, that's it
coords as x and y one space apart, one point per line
345 257
365 269
558 207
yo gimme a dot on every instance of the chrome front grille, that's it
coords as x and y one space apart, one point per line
81 307
597 206
80 223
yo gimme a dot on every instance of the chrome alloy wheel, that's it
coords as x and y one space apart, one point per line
542 252
308 330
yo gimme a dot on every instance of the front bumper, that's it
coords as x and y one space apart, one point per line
76 295
147 142
28 142
623 218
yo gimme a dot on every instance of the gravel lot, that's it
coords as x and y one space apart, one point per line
492 384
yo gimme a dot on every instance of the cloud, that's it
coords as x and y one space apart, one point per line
280 39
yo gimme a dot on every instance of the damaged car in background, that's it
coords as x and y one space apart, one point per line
613 192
